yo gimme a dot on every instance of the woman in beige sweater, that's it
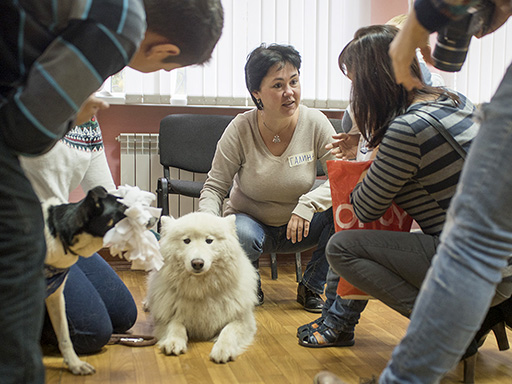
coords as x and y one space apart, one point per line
268 157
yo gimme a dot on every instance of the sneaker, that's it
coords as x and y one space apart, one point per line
326 377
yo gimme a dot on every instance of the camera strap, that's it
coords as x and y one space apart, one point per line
434 122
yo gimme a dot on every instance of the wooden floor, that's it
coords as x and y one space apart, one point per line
275 356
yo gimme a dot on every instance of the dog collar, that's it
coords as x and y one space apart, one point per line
54 278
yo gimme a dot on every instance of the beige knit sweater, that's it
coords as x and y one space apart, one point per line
269 188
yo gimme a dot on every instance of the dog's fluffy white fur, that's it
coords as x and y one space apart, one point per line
206 289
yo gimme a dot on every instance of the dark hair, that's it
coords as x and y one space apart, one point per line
376 99
262 59
194 26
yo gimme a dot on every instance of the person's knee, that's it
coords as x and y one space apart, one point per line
125 317
336 251
93 340
245 229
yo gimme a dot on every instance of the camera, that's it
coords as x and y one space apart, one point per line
453 40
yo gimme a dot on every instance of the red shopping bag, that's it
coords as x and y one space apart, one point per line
343 177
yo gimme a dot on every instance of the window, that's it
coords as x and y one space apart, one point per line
318 29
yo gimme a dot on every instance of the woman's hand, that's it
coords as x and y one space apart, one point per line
297 229
90 108
372 157
345 146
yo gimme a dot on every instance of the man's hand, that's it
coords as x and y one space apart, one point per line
502 12
90 108
297 229
403 50
345 146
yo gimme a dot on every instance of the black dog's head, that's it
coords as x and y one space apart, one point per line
95 215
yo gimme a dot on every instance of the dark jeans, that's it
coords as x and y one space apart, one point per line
97 305
22 285
257 238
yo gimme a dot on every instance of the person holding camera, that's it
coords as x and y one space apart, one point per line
476 242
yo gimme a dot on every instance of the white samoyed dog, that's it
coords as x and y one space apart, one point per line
206 289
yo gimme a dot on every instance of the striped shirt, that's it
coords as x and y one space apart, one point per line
55 53
416 167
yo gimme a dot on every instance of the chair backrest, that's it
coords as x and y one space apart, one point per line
188 141
336 123
338 127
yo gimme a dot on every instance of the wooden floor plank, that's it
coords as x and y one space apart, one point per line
275 357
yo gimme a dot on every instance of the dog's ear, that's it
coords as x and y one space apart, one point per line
100 211
166 223
90 205
97 193
231 220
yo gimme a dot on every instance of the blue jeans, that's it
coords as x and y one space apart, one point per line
476 245
22 284
97 305
257 238
340 314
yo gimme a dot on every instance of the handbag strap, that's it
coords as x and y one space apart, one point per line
434 121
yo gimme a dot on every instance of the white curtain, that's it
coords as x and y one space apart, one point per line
318 29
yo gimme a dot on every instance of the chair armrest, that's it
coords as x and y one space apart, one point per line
162 195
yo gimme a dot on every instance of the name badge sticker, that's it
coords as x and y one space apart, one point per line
301 158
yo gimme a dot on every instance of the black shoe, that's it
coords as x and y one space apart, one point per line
494 321
261 296
324 337
311 301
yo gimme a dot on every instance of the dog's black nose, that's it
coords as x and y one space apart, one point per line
197 264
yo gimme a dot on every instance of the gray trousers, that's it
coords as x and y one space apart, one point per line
390 266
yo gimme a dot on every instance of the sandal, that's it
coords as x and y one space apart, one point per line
310 326
324 337
132 340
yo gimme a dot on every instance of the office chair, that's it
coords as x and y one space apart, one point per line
187 142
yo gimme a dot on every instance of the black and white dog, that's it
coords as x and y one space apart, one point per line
73 230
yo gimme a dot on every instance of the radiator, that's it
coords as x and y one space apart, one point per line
140 166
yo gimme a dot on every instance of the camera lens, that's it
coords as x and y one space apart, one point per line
449 54
453 40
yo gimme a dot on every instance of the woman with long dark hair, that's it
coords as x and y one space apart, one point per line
415 166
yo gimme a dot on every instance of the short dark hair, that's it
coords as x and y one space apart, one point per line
195 26
262 59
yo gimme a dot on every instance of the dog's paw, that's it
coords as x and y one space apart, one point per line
222 353
81 368
173 346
